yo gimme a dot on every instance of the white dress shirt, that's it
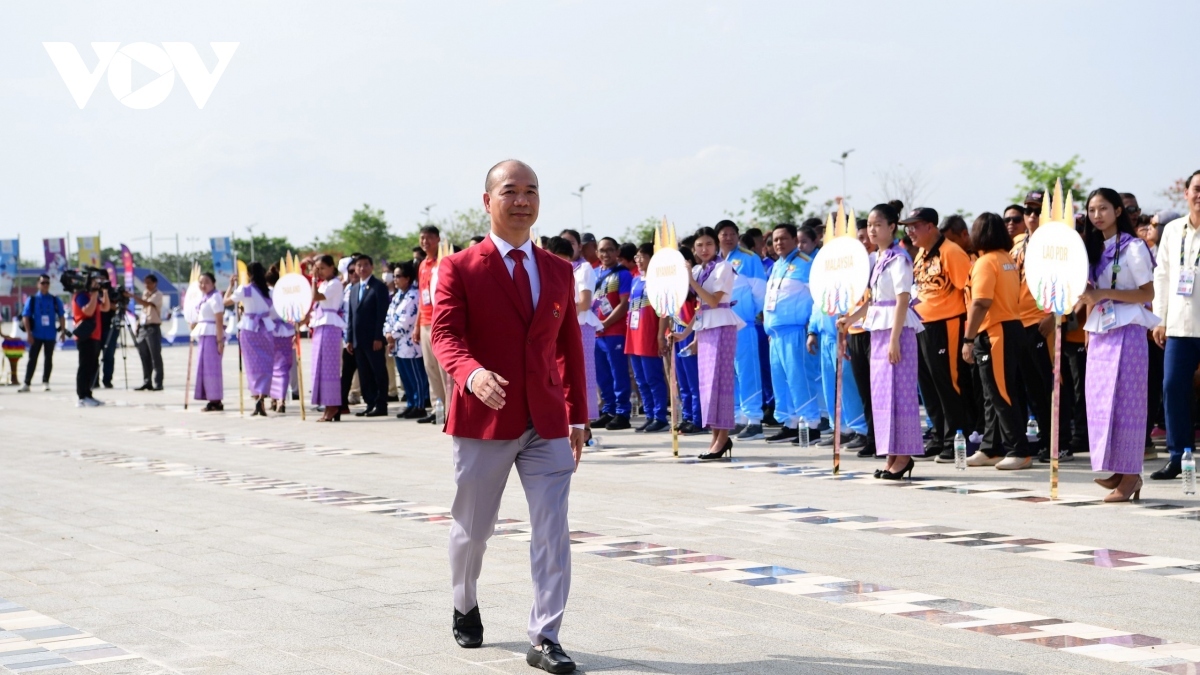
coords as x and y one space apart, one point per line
535 282
1179 313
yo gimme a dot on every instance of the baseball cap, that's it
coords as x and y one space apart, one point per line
1035 197
588 238
921 215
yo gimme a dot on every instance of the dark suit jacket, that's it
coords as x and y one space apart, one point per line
479 322
367 316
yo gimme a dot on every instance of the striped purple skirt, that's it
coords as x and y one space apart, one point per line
589 368
1117 363
281 370
258 355
716 349
209 383
327 366
894 395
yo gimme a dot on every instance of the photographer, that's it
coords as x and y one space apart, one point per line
87 307
41 313
149 335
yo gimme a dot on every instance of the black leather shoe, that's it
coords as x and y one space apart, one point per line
645 424
602 421
866 452
657 427
1170 471
378 412
427 420
413 414
550 657
468 629
144 387
364 413
618 423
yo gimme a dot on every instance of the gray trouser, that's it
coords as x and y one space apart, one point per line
149 346
481 470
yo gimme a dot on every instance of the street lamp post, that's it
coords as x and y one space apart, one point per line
250 229
582 224
842 162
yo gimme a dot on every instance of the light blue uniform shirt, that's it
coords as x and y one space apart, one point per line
788 291
750 286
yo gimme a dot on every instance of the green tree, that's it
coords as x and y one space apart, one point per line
1042 175
643 232
267 250
367 231
773 203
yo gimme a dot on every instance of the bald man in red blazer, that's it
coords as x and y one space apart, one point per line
505 329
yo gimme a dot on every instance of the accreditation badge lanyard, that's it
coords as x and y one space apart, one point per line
1108 309
777 280
1187 275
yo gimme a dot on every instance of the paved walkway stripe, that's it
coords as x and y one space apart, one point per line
33 641
253 442
1124 561
1078 638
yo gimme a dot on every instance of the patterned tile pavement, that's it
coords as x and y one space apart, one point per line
1061 634
1125 561
32 641
261 443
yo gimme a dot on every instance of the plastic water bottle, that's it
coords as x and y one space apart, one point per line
594 443
1031 430
960 451
802 430
1189 472
439 412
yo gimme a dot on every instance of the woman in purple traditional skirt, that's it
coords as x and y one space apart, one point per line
716 327
283 338
209 334
1120 286
327 323
893 327
255 333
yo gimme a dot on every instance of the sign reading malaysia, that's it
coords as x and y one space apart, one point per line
1056 261
117 61
842 269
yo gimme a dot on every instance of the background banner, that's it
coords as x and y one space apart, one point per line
56 262
127 261
10 256
222 254
89 251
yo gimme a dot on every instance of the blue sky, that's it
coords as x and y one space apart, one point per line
665 108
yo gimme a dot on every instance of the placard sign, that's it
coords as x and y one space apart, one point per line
840 275
292 297
667 281
1056 267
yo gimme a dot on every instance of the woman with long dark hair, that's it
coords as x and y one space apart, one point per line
209 334
716 329
255 332
893 326
1120 284
326 321
995 341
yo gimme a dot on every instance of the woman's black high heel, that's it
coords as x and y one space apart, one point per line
879 473
258 409
888 475
728 447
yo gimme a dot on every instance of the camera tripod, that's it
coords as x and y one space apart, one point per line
117 325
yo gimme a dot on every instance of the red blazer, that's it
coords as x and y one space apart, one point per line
479 323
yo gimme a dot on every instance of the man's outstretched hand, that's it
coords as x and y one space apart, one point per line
489 388
578 438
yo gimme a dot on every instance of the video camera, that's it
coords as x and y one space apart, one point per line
80 281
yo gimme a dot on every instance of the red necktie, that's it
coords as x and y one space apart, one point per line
521 279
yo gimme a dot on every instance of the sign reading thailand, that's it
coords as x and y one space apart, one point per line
1056 261
842 268
667 275
292 295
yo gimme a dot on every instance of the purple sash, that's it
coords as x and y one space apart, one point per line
895 251
706 271
1106 258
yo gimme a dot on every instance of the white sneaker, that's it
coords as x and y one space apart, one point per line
980 459
1015 463
45 387
81 404
24 388
93 402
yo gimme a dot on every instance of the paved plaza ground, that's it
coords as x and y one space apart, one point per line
142 538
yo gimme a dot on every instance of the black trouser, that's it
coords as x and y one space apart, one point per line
110 342
858 348
36 346
1039 382
939 370
349 367
1154 407
89 363
1072 411
975 399
149 346
372 376
1000 353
